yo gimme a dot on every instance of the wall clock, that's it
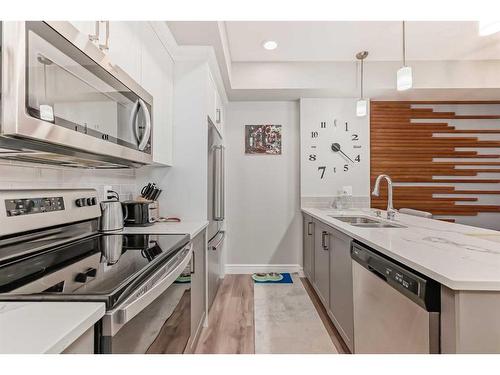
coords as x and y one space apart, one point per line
334 148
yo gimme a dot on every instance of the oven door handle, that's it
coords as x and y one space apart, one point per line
133 306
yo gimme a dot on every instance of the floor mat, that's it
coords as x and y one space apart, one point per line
284 278
286 321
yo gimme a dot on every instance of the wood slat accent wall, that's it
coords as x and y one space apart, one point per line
407 150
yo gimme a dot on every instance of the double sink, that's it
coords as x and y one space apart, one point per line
366 222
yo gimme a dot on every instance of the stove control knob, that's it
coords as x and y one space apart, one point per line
80 202
89 201
94 201
29 204
91 272
81 278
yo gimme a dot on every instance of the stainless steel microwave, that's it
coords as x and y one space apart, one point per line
63 102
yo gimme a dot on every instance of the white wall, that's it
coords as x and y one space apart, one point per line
185 183
263 210
316 151
28 176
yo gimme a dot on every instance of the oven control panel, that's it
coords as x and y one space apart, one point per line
27 206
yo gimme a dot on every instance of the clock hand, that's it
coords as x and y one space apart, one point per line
343 153
336 148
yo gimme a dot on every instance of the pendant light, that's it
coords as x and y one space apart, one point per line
487 27
404 75
362 103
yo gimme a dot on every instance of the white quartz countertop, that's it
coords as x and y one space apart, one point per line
193 228
458 256
44 327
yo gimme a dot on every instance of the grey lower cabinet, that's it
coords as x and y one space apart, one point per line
82 345
308 246
341 293
332 274
198 286
322 262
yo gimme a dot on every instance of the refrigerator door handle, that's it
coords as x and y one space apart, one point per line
218 198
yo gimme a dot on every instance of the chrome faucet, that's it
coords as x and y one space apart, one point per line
391 212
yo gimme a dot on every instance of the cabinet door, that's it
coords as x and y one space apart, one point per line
85 27
308 247
125 48
219 111
212 100
322 261
341 294
198 286
157 78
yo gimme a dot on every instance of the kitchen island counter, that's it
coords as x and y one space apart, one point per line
458 256
45 327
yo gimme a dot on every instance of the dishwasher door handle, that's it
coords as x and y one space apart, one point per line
377 273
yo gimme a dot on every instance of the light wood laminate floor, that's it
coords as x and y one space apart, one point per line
230 320
231 327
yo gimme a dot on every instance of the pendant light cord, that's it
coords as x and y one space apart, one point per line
404 44
362 79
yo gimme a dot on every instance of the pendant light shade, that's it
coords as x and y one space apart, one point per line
362 103
488 27
361 107
404 77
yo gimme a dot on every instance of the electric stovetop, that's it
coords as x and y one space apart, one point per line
96 268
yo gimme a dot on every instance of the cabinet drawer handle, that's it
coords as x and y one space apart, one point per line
324 235
309 228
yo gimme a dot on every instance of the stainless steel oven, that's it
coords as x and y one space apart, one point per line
156 317
64 102
50 250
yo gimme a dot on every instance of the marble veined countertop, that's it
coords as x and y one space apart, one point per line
458 256
44 327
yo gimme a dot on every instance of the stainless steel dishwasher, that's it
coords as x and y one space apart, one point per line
396 310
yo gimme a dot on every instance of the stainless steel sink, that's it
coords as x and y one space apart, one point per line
366 222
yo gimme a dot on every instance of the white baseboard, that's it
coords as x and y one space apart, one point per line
232 269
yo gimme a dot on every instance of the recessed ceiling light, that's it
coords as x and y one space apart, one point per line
270 45
488 27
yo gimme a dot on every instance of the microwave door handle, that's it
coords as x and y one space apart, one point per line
133 120
147 131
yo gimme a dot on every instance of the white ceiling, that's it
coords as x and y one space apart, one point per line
316 59
341 40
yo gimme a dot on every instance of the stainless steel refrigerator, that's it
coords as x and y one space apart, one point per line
216 209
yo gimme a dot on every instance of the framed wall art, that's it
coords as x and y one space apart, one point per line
263 139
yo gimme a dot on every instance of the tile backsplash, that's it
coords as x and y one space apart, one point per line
334 201
27 176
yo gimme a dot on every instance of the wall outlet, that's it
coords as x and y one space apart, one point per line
347 190
105 190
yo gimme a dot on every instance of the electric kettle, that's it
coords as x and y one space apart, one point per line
113 213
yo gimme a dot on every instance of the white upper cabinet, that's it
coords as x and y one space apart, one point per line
85 27
157 78
136 48
214 104
125 47
121 43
